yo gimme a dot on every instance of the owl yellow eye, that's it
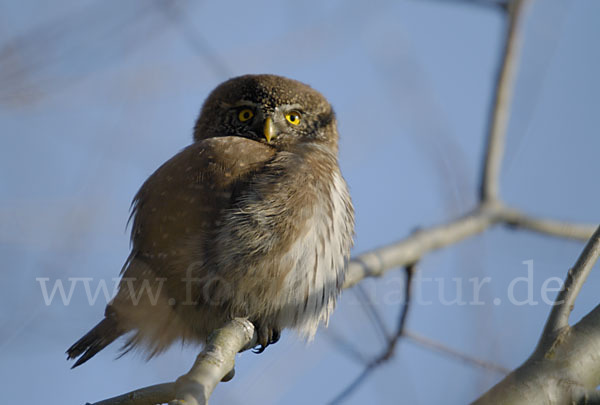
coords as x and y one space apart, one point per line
293 117
245 115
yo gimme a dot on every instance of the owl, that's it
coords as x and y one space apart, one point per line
253 219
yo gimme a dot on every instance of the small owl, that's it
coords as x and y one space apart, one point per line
253 219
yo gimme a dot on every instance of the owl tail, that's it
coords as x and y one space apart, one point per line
95 340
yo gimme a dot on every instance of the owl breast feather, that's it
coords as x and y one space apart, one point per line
287 242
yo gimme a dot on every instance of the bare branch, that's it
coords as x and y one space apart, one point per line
391 346
590 398
215 362
565 366
345 346
502 4
353 385
155 394
194 39
499 115
217 359
371 312
515 218
374 264
378 261
565 301
412 248
464 357
410 271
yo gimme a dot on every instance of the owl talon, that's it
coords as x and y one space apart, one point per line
266 337
275 335
259 350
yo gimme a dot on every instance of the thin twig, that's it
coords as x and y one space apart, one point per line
410 271
502 4
536 84
344 345
565 301
388 353
500 110
84 36
194 39
515 218
374 316
353 385
464 357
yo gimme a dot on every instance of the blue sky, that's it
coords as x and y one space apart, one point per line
94 96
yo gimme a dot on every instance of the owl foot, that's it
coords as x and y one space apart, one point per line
266 337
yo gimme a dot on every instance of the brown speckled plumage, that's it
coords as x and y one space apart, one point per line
235 225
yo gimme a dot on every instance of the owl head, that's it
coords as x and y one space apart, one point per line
269 109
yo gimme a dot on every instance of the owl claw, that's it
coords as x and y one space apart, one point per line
276 334
259 350
266 336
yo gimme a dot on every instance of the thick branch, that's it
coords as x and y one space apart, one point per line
155 394
412 248
565 367
217 359
214 362
212 366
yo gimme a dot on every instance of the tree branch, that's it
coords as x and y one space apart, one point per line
155 394
388 353
214 364
591 398
217 359
501 107
502 4
565 366
565 301
207 373
411 249
515 218
441 348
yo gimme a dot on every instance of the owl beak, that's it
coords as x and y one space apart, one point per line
269 129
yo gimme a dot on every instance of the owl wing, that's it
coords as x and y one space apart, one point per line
174 214
178 208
